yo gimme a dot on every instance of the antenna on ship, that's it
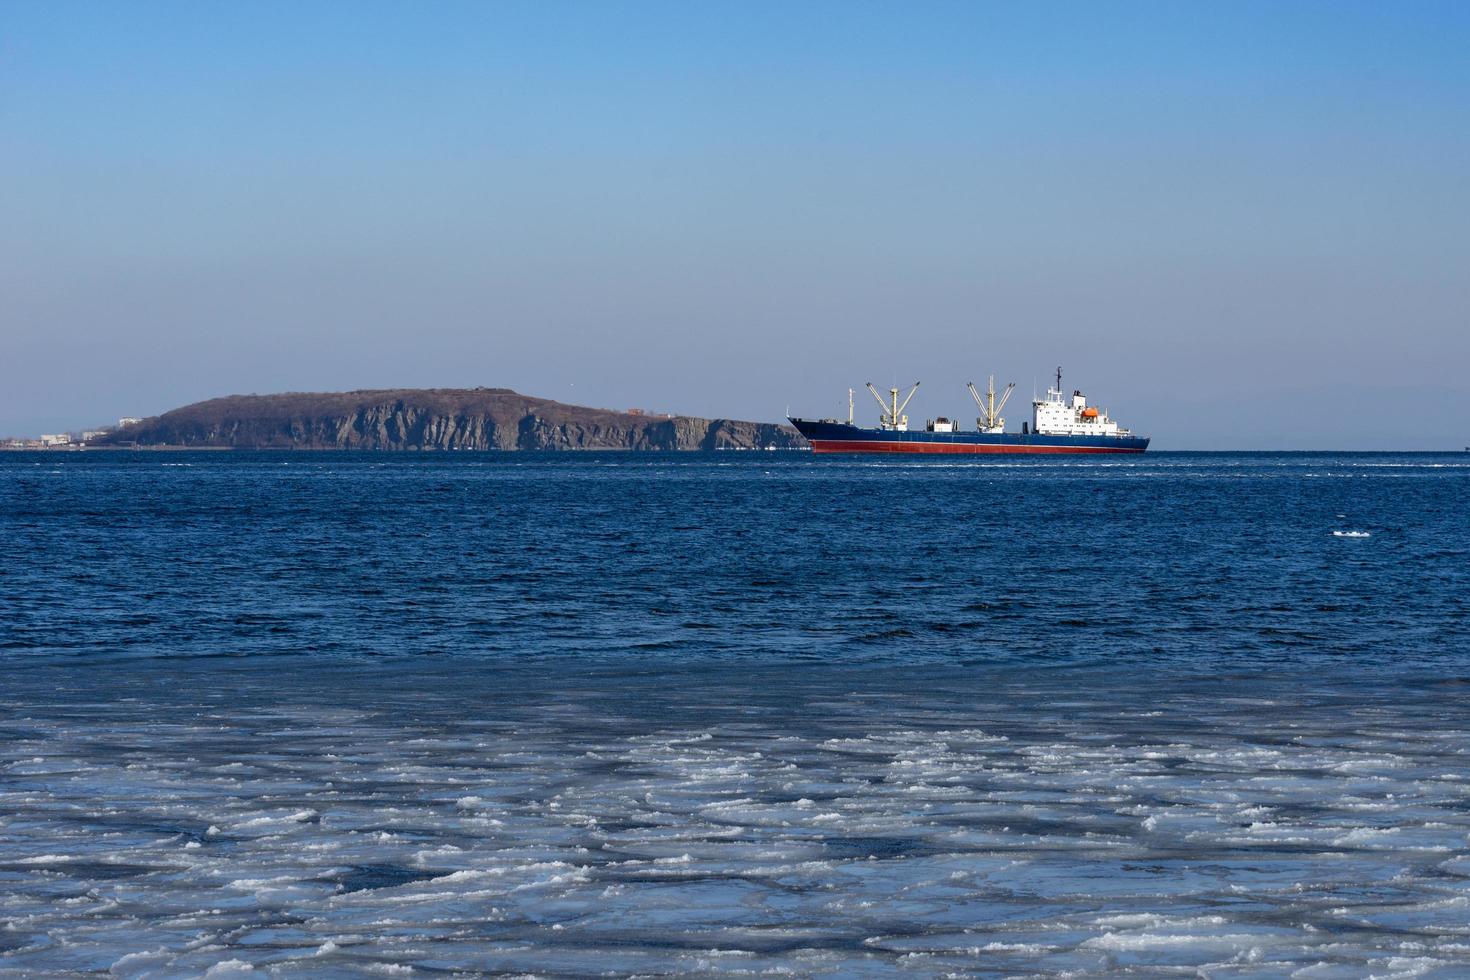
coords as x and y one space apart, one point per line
989 411
892 417
1059 379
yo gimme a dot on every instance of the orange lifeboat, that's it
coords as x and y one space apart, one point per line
1089 413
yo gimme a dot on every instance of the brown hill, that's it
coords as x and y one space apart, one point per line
433 418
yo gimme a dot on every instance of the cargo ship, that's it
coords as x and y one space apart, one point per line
1059 424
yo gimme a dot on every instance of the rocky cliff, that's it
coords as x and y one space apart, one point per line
437 418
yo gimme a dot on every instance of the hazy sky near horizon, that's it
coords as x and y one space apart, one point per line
1234 224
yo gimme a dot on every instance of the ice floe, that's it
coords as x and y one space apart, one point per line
1093 829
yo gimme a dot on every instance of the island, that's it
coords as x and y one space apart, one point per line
432 418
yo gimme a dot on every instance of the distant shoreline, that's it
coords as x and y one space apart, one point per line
433 418
95 449
327 450
158 448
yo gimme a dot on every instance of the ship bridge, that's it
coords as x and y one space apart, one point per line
1056 415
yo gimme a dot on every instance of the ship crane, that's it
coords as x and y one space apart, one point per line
990 419
892 417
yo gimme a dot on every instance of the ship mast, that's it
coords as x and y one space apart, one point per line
892 417
989 411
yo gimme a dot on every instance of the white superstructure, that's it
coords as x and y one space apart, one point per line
1058 416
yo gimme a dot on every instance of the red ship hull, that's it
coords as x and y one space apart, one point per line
970 449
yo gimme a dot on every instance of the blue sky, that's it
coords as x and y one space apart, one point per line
1235 224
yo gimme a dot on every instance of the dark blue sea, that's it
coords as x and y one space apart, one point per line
734 714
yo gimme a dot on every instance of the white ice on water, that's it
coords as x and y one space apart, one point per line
1011 833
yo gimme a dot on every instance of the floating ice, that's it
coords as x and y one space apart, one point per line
1047 825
